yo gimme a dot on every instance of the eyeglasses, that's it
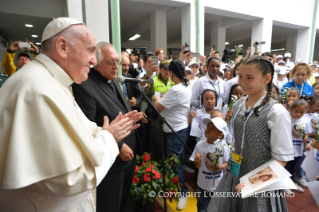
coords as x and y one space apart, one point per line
113 62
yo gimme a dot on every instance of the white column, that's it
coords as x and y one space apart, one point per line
316 52
158 28
74 9
189 25
217 36
96 17
291 45
303 43
201 37
262 31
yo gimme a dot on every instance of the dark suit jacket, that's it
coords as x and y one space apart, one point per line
131 91
96 99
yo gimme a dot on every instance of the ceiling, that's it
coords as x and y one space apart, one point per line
135 18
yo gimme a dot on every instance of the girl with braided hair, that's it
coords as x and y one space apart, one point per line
175 106
262 131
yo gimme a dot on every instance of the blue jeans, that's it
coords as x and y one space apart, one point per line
203 199
299 171
174 146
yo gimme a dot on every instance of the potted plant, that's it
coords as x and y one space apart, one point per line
148 181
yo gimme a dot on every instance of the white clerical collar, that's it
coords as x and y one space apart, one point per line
58 73
109 81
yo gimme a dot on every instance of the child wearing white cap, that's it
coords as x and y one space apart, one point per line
204 157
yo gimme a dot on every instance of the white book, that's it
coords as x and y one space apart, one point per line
267 177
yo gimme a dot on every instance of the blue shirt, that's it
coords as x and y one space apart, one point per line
307 89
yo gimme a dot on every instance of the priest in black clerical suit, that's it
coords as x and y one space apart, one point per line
100 95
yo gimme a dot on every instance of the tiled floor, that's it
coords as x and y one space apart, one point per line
301 202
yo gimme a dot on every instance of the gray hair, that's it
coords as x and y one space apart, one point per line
98 53
70 33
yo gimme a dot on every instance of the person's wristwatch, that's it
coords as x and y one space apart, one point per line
146 77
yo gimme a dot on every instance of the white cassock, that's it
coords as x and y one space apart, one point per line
51 155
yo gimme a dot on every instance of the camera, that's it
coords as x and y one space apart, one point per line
228 55
139 50
260 43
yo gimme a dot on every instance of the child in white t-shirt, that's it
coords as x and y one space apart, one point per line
204 157
300 130
208 101
313 103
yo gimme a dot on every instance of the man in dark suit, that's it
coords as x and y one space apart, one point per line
131 94
101 96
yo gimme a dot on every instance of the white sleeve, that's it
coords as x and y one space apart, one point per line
308 128
170 99
195 93
110 150
195 152
226 154
227 87
279 122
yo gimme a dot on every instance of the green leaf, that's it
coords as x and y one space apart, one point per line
154 185
145 197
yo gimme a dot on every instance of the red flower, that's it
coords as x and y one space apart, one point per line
156 174
143 164
152 166
171 162
146 157
146 178
170 193
175 180
135 180
148 170
136 169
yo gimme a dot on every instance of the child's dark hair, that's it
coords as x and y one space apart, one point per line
231 92
298 103
311 99
202 96
236 66
265 67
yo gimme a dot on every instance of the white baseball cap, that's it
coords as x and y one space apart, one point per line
279 56
219 123
188 69
281 62
315 75
192 63
287 54
57 25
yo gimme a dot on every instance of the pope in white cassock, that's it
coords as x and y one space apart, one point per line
51 155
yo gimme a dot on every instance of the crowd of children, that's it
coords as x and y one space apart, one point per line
270 119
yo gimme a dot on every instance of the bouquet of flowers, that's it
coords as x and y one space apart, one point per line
231 104
148 182
213 157
301 129
284 95
238 49
317 133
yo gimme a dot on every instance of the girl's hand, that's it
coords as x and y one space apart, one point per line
229 114
315 144
289 103
193 114
197 158
239 187
308 147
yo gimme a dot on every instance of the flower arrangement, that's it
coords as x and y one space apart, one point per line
284 95
148 182
301 129
238 49
317 134
233 99
214 156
